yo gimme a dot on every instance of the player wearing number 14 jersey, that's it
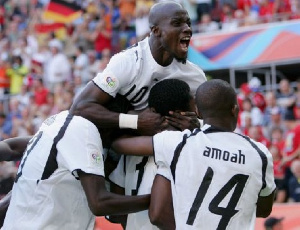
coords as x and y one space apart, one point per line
219 179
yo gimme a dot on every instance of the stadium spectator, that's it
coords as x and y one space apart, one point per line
4 80
203 7
275 122
256 114
105 58
257 97
81 65
277 138
255 132
101 36
5 127
279 170
142 27
16 73
286 99
207 25
40 92
294 182
94 63
291 149
58 68
297 103
270 104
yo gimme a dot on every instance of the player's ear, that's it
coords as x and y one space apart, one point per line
235 110
156 31
198 113
152 109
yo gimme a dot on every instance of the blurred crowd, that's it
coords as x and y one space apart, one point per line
273 118
42 72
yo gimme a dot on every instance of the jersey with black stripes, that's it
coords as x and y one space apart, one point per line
216 177
47 193
134 71
136 174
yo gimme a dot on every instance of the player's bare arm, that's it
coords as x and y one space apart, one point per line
4 203
91 104
12 149
137 146
264 205
102 202
121 219
161 211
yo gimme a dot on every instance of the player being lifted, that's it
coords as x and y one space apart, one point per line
135 174
219 179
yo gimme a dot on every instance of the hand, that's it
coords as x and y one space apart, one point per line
283 161
150 123
183 120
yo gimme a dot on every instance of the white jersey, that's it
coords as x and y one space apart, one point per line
136 174
216 177
134 71
47 193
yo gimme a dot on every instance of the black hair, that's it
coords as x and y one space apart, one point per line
170 95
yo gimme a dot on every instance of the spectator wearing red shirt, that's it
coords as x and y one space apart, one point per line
291 149
266 11
40 92
278 169
103 33
283 8
255 132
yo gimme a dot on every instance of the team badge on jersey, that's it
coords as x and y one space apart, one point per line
109 82
96 158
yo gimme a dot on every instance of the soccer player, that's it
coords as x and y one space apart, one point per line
135 174
219 179
60 181
132 73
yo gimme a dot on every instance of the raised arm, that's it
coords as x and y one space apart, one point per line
102 202
92 104
264 205
138 146
161 206
12 149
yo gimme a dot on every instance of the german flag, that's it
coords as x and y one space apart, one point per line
62 11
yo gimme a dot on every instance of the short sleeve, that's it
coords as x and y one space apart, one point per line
270 181
81 148
163 170
118 175
164 145
119 73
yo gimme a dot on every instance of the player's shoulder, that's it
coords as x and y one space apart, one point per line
127 60
169 135
257 146
194 69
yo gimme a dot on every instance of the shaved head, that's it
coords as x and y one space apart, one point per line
159 11
215 98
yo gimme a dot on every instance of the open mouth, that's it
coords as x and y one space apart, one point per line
184 43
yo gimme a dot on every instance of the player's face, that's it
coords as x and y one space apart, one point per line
176 32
